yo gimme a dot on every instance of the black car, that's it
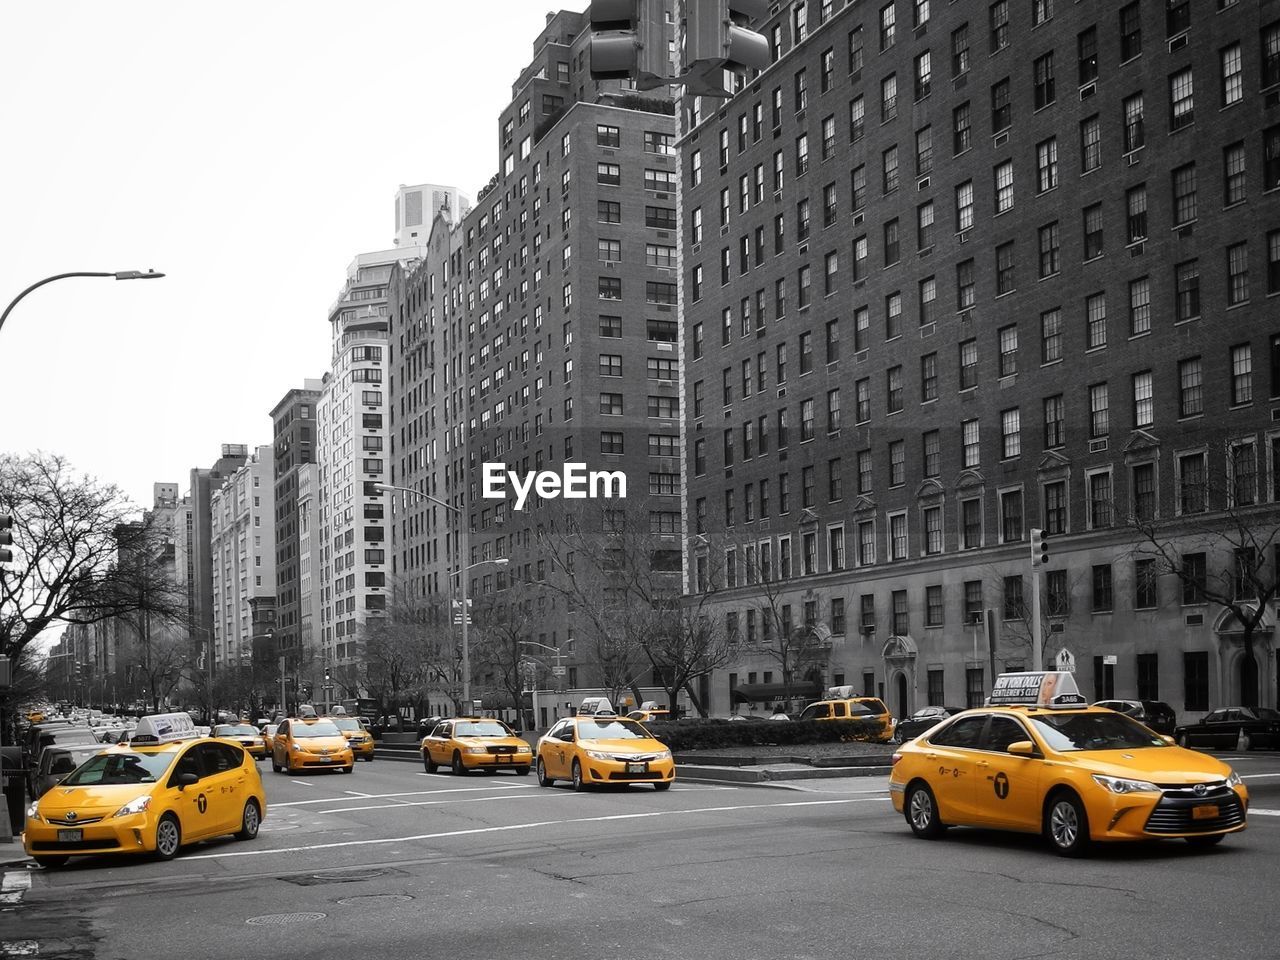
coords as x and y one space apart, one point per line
1156 714
923 719
1233 728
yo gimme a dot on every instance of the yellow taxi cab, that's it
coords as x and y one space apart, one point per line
245 734
310 742
475 743
842 706
359 739
35 716
1039 759
268 733
601 747
647 714
167 787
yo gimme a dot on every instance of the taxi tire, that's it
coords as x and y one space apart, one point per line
543 779
52 863
428 764
169 824
662 785
522 771
1064 815
931 827
250 821
1212 840
579 784
459 770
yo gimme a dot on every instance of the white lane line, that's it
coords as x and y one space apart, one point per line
1256 811
302 783
355 793
400 804
1258 776
13 886
474 831
408 793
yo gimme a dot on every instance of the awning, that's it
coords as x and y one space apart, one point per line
756 692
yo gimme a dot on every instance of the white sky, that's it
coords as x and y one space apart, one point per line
246 149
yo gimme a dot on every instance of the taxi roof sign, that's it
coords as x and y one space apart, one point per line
1052 688
164 728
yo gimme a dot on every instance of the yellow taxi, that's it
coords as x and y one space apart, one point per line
359 739
647 714
870 709
475 743
310 742
268 733
245 734
167 787
602 747
1039 759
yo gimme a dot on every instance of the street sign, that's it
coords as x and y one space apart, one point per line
557 671
1109 660
1066 661
5 681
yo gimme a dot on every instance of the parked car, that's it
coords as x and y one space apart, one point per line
926 718
56 762
1232 728
1156 714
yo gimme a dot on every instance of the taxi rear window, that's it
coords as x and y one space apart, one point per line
236 730
347 723
117 768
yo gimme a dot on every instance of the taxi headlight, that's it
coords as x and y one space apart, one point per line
477 749
137 805
598 755
1122 786
294 746
662 755
524 749
1233 778
33 811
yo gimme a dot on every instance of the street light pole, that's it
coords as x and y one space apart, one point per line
118 275
464 551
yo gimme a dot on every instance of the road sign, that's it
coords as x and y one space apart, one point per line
1066 660
557 671
1109 660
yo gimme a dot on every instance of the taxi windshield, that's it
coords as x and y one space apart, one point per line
350 724
235 730
309 731
1094 731
115 768
482 728
619 729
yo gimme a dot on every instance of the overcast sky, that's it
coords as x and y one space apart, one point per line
248 150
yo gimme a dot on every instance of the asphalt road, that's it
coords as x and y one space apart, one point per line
394 863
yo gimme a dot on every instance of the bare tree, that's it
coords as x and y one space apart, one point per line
69 530
1016 612
498 625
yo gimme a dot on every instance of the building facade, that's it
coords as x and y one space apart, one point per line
196 508
242 523
956 271
540 329
417 207
294 447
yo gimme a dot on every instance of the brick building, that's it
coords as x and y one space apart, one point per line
956 270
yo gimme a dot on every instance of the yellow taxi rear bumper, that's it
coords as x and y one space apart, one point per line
132 834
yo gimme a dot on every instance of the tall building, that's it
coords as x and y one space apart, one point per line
294 448
350 573
956 271
242 524
197 552
417 207
539 329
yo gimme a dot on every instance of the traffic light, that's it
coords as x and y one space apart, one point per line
629 40
718 34
1039 547
6 537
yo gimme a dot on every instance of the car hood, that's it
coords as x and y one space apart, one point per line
322 744
1165 765
623 746
90 801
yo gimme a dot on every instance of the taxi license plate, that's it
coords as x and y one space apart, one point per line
326 759
353 743
70 836
1207 812
637 768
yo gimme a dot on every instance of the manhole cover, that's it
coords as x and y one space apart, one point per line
377 898
280 918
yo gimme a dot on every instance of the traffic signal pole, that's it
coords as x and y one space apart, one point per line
1037 631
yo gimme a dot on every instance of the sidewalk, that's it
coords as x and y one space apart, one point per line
773 774
12 854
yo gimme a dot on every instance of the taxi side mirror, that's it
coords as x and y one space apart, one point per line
1169 740
187 780
1021 748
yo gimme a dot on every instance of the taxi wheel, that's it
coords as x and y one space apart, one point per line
275 767
543 779
168 837
578 784
1067 825
51 863
250 820
922 812
458 769
1208 841
522 771
662 785
428 764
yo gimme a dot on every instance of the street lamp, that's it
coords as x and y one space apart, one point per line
555 651
464 538
118 275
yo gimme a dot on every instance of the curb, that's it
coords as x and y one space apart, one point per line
766 776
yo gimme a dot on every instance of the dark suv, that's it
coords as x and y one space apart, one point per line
1156 714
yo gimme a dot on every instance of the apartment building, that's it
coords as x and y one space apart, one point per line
952 271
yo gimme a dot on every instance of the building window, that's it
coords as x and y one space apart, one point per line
974 687
1059 595
1050 336
960 50
1143 399
1232 75
1004 187
901 614
1055 507
1145 585
932 530
928 377
1010 434
1130 31
1139 306
1192 495
1186 291
1099 411
1241 374
1103 600
897 463
898 536
1233 174
1014 608
970 524
1047 164
1181 99
1195 681
1054 422
1244 474
970 447
999 19
1271 158
1134 129
1144 491
961 129
1006 280
1001 106
1237 273
933 608
1090 144
1099 485
1011 516
968 364
1184 194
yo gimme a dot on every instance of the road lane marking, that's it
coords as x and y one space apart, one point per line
302 783
13 886
429 803
1258 776
408 793
355 793
1255 811
508 828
